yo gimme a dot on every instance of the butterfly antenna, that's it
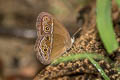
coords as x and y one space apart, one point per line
76 33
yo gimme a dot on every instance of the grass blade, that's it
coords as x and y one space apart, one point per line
98 67
105 25
81 56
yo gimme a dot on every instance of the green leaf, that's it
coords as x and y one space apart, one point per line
118 2
98 67
105 25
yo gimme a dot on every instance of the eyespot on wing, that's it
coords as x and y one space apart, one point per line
44 23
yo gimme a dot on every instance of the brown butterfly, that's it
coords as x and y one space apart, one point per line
53 38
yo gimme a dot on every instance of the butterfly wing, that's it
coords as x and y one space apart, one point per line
53 39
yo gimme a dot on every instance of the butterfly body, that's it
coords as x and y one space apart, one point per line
53 39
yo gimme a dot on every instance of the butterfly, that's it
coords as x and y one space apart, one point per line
52 38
